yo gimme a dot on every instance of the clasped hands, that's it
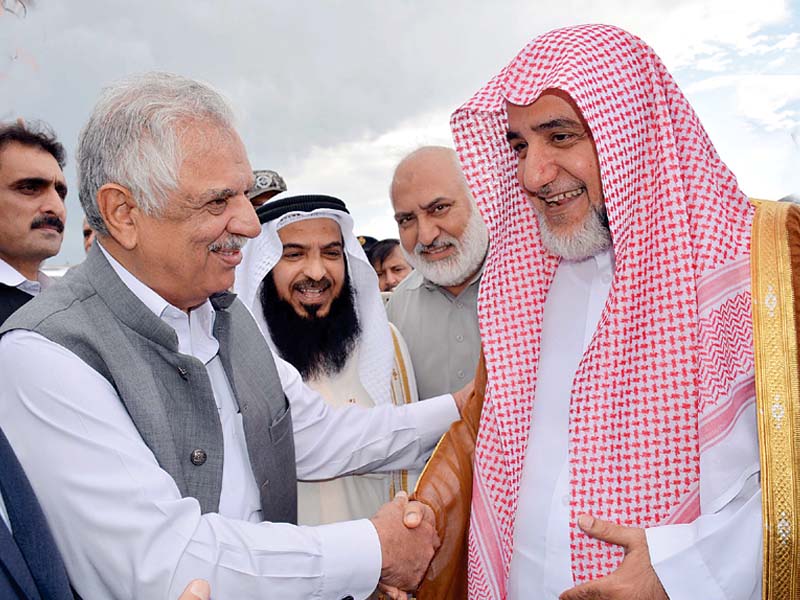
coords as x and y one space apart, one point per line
408 546
407 533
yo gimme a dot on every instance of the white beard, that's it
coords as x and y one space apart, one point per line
469 253
591 238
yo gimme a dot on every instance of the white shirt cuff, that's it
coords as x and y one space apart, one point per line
433 417
680 565
352 557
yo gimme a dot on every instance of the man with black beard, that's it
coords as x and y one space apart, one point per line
315 296
317 345
32 212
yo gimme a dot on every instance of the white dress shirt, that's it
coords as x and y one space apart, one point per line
715 557
12 278
119 519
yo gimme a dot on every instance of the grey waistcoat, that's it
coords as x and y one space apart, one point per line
168 395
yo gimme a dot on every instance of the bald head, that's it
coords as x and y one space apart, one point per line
428 162
441 231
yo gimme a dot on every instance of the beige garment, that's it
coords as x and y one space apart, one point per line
357 496
441 331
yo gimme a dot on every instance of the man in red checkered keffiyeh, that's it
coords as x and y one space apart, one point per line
615 319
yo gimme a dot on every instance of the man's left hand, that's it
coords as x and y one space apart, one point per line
635 579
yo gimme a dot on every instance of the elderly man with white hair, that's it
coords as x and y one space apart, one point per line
173 437
445 239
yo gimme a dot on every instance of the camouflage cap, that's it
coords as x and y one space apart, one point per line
266 181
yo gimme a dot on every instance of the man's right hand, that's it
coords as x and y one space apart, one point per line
462 396
405 552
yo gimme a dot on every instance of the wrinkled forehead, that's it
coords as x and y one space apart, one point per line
553 105
199 138
311 232
29 160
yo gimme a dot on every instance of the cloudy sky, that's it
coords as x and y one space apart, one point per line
331 93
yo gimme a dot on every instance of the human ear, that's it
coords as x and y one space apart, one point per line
119 210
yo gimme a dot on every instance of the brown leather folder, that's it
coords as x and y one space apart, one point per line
446 486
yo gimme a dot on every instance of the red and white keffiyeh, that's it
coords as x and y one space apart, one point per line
659 398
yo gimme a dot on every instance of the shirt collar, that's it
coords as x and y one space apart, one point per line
147 295
601 264
606 261
12 278
414 279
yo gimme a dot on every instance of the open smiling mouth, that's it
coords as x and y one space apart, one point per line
312 292
230 256
564 197
436 250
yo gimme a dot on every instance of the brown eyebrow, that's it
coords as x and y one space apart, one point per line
558 123
296 246
425 207
41 183
434 202
38 182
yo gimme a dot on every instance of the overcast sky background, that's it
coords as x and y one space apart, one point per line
332 93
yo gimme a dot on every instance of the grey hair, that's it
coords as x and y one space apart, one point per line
132 138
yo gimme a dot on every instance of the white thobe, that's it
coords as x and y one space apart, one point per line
715 557
119 519
343 498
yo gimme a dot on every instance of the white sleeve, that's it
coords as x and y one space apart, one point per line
119 519
330 442
715 557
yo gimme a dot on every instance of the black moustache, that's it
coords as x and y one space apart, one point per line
48 221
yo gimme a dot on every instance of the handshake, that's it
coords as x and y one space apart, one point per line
407 529
407 533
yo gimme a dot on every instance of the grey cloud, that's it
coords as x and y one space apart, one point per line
302 74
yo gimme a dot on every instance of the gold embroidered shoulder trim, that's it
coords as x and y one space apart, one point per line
777 398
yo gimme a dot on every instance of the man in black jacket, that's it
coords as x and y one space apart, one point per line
32 211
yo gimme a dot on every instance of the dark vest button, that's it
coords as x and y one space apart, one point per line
198 457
